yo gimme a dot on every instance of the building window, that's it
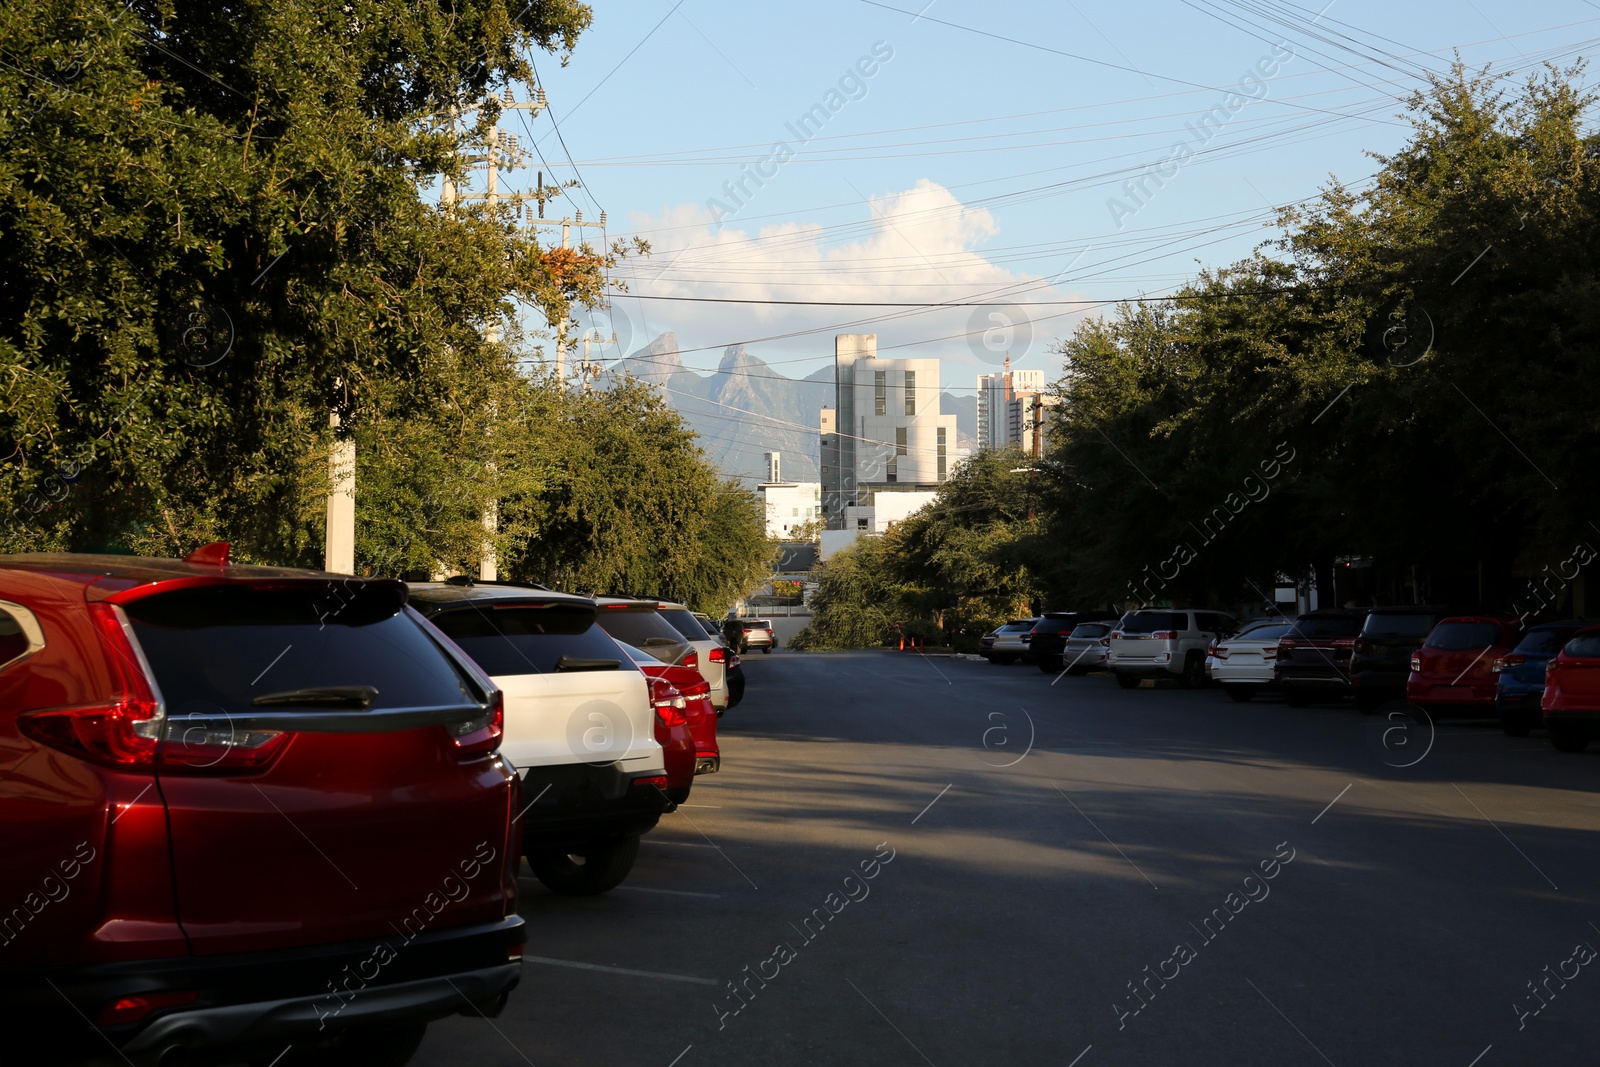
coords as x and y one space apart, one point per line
911 392
861 524
880 392
941 463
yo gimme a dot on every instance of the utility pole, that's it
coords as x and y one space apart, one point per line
501 151
567 226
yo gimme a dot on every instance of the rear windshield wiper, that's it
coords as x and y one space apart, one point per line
333 696
576 663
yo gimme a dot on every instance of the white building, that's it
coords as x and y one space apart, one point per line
790 505
996 392
884 436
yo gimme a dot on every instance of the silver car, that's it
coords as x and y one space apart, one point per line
1010 642
1087 647
711 653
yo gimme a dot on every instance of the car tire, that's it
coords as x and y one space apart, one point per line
1127 681
1367 705
603 868
767 651
1194 671
387 1045
1241 693
1566 739
1049 667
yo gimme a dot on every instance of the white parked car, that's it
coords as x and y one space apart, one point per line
1243 664
711 653
1008 643
1165 643
579 726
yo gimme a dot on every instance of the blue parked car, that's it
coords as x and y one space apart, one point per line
1521 687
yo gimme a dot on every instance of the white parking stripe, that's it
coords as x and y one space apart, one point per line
669 892
617 970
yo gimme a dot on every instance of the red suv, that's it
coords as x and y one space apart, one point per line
244 808
1572 692
1453 672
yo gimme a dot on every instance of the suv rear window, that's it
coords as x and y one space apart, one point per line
531 638
1459 636
1585 645
1091 629
1265 631
1327 627
1052 626
1544 642
644 629
1386 625
225 645
683 620
1148 622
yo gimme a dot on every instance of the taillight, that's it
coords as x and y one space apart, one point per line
1114 635
1510 659
1105 642
668 702
654 782
1416 661
132 1009
718 655
1213 651
1165 635
476 736
126 730
698 689
1359 646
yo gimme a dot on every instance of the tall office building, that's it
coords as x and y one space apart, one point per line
995 394
884 436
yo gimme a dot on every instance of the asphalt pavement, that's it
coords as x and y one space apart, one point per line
908 860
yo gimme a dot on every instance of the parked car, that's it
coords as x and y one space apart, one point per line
689 702
1380 658
1453 672
710 626
711 652
757 633
244 807
1008 642
1312 661
1047 640
1086 647
735 682
1165 643
638 622
579 727
1572 692
1519 689
1242 664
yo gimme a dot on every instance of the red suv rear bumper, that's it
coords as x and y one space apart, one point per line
261 1001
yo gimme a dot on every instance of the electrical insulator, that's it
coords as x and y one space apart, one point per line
602 220
580 215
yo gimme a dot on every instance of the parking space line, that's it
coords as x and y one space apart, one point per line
670 892
617 970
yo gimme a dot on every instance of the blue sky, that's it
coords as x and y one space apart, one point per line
978 152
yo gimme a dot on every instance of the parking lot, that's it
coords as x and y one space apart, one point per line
926 860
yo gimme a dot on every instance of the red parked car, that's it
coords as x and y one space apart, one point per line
243 808
686 721
1572 692
1453 672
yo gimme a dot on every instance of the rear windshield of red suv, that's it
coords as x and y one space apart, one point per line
1460 636
225 646
1397 625
531 639
1329 627
1148 622
1586 646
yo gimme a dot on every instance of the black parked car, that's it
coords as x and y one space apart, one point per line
1050 632
1380 659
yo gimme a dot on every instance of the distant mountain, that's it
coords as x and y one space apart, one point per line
746 409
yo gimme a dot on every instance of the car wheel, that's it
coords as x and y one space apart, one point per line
1127 681
1566 739
1367 705
1194 671
767 651
1241 693
1050 666
389 1045
597 869
1296 699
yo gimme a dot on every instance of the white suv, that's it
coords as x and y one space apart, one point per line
711 653
1165 643
579 727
